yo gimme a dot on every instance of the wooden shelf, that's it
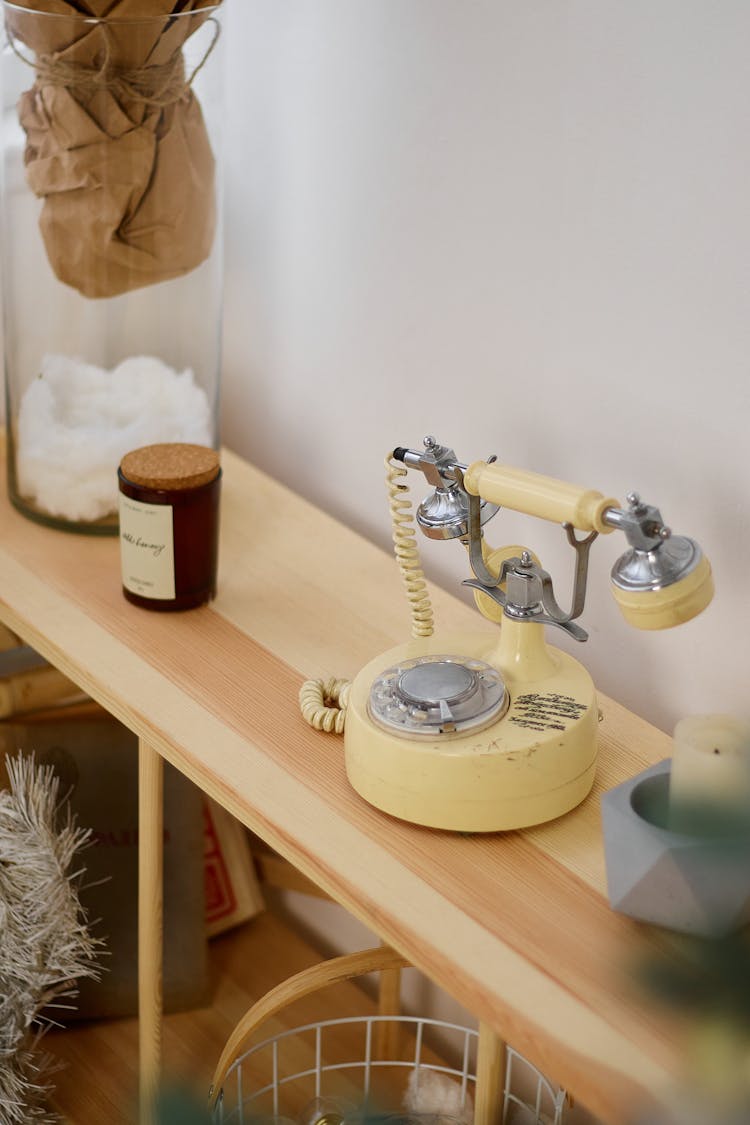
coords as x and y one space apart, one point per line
515 926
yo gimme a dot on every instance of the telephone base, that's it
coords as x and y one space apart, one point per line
531 765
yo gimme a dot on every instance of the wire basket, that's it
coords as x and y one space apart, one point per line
354 1070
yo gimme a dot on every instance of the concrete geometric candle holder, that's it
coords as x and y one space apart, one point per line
697 884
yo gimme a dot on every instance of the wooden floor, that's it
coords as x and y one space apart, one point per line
99 1079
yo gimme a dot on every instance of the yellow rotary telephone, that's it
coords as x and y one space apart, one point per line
485 731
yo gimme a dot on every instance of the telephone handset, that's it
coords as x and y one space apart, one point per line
483 732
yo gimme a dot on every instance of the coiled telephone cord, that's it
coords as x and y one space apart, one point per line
323 702
407 553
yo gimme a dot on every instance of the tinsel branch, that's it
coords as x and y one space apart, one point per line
45 945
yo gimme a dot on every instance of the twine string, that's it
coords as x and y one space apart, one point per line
160 85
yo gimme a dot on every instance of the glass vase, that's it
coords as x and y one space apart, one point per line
111 244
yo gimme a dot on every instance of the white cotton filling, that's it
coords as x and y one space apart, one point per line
436 1098
436 1095
76 422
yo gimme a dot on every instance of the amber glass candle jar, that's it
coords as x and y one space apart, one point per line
169 525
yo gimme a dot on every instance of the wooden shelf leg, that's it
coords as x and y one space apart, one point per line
150 925
387 1036
488 1103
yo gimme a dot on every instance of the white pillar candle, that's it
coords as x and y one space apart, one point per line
710 767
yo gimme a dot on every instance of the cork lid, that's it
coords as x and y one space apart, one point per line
173 465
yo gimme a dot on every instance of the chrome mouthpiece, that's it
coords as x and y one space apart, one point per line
444 513
663 579
667 563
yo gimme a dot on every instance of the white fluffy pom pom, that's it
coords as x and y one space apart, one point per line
437 1095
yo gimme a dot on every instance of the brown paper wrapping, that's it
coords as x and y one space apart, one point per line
116 146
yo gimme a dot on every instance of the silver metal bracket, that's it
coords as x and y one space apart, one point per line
529 594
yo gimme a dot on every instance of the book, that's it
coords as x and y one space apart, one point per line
233 893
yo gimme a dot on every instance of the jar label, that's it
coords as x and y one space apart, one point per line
147 548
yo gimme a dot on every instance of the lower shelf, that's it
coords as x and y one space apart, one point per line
99 1081
99 1078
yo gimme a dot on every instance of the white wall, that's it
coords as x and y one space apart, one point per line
524 227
